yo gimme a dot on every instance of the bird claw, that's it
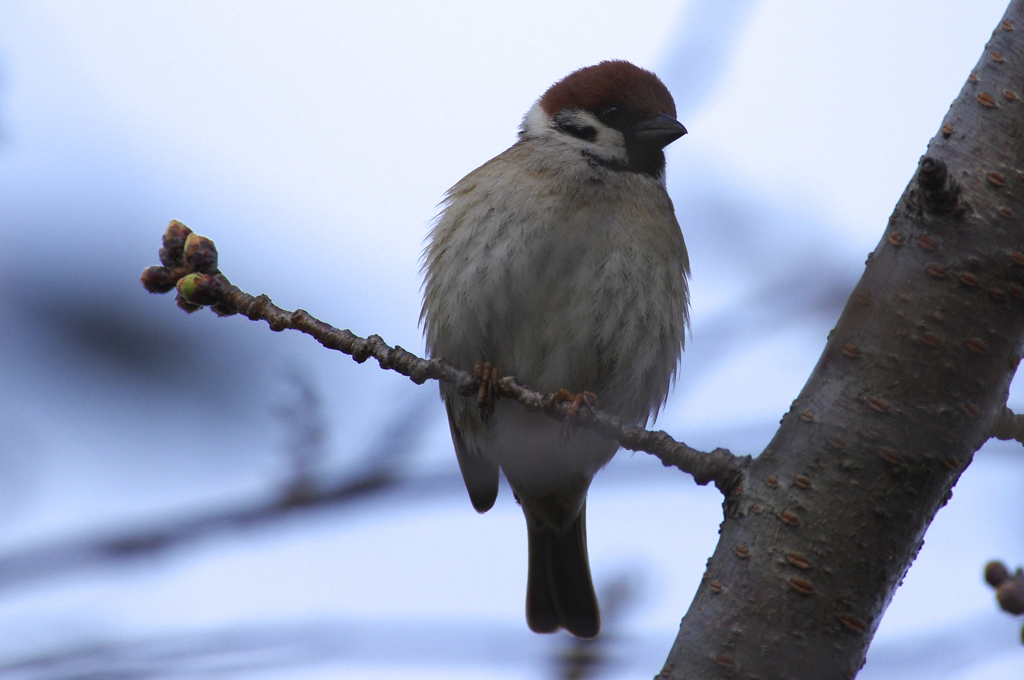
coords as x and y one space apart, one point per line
487 376
588 399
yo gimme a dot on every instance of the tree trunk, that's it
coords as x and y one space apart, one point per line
822 527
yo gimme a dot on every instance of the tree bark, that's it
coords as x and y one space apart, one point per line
824 524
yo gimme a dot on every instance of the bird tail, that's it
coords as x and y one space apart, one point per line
559 590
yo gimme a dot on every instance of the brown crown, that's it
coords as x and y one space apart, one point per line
618 82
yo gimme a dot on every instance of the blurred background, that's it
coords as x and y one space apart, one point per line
151 462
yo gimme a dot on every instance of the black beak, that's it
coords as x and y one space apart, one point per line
658 132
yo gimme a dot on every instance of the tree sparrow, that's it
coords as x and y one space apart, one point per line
560 262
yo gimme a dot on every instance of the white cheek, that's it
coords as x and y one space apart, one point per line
535 122
610 143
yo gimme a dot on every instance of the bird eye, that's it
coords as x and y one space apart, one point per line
613 114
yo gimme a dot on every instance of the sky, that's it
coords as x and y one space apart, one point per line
313 143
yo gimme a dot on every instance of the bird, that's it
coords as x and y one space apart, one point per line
561 262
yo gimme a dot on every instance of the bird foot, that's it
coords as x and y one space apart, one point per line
588 399
487 394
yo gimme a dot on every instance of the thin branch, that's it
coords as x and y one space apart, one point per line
190 265
68 556
380 473
296 648
1009 426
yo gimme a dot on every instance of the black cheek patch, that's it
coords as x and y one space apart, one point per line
584 132
581 131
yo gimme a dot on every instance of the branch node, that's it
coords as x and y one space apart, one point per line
940 193
1010 426
361 351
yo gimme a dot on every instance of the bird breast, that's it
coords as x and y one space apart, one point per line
563 273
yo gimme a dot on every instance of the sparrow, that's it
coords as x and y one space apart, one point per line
560 262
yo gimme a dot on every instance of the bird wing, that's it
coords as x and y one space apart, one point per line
479 474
